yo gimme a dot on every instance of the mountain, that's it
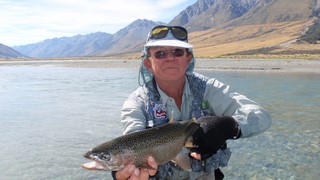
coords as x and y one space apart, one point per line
205 14
79 45
276 11
7 52
131 38
127 40
216 27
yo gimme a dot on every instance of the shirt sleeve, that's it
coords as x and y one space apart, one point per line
133 115
251 117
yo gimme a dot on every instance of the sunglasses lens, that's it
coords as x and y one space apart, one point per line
163 54
160 32
178 52
160 54
179 33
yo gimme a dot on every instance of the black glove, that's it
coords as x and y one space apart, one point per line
213 133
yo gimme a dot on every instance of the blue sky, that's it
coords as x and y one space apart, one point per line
30 21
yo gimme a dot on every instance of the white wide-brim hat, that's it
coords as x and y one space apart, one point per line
169 40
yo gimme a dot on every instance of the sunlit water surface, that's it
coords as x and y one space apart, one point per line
50 115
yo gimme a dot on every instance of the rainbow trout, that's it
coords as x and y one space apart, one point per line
163 143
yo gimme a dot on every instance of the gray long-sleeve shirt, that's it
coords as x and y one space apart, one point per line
252 118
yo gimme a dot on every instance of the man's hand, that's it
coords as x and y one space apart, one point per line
212 135
131 172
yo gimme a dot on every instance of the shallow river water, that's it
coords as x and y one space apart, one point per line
50 115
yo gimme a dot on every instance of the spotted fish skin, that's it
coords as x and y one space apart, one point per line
163 143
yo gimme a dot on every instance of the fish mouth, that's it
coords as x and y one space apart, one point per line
96 165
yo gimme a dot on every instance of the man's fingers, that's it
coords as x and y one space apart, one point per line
132 173
196 155
152 162
126 172
144 174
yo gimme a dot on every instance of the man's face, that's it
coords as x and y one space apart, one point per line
168 63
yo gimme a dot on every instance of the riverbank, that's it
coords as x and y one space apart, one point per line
256 65
262 65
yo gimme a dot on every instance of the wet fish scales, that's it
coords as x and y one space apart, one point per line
162 143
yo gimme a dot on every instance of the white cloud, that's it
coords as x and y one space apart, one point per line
30 21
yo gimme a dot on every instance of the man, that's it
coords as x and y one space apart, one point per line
171 88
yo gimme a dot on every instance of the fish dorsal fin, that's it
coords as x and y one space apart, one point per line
171 119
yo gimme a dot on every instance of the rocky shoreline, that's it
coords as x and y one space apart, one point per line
261 65
247 65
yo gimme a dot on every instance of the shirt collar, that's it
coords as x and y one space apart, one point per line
165 97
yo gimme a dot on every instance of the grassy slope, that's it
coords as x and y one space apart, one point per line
218 42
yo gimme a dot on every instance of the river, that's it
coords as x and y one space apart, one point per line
50 115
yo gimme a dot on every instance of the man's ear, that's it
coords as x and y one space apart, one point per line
147 64
189 56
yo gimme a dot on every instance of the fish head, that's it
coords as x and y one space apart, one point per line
104 160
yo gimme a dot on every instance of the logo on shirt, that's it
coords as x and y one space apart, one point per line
159 111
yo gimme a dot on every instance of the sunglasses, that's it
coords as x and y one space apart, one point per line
164 54
160 32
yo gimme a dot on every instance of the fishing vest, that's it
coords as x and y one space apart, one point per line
156 115
155 111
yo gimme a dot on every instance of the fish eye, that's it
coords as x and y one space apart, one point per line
105 157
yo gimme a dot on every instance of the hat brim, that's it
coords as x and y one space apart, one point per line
174 43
